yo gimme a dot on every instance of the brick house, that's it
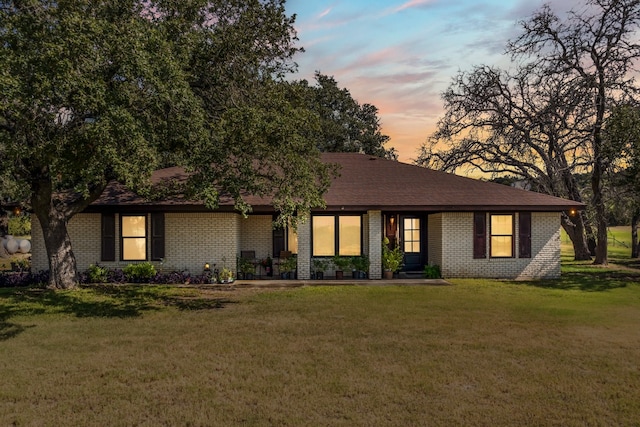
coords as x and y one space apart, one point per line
468 227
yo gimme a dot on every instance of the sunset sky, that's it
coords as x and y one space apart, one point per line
400 55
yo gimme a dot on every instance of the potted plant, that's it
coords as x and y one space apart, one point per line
226 275
360 266
267 264
287 266
246 267
341 263
391 259
319 266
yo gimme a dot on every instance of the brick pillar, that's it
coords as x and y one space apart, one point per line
304 247
375 244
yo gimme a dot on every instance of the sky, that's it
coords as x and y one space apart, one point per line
400 55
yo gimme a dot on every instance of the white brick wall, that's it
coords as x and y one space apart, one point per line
374 237
304 248
195 238
191 239
457 249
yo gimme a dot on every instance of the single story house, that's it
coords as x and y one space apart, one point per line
468 227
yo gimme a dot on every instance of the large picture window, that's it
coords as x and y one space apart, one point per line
501 235
134 237
337 234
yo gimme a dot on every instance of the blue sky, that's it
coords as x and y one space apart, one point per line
400 55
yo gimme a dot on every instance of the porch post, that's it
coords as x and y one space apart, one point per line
375 244
304 247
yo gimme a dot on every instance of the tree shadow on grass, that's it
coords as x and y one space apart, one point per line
597 280
117 301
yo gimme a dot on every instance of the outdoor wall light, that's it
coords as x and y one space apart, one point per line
207 267
17 210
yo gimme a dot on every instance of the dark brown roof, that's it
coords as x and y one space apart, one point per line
367 182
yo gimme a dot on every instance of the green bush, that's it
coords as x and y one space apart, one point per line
142 272
97 274
432 272
20 225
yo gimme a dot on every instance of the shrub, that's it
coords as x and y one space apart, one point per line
140 273
13 280
97 274
20 225
432 272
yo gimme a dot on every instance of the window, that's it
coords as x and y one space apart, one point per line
411 235
134 237
501 235
337 234
292 240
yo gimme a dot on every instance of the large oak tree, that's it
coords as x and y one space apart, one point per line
93 91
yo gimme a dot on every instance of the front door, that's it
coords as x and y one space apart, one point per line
411 242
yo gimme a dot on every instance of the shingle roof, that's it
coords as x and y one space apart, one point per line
367 182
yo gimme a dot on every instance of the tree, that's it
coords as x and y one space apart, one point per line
622 135
93 91
585 59
519 124
345 125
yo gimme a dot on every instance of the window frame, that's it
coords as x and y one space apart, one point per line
146 236
491 235
336 237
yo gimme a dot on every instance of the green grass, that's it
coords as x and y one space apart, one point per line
480 352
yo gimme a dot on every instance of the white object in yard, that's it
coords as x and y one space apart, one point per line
24 246
12 246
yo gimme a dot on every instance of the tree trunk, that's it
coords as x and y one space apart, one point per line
574 226
63 272
53 216
601 216
635 243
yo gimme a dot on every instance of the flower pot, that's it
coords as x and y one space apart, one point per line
339 275
319 275
388 275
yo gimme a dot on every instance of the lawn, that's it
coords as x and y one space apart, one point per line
478 352
475 353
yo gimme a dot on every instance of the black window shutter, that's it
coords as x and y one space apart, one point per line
157 236
524 234
108 250
479 235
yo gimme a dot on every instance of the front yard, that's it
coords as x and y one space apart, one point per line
475 353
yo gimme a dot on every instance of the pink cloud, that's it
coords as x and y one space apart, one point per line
412 4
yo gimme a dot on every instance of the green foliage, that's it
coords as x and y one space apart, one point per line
360 263
345 125
320 264
391 258
97 274
226 274
289 264
141 272
96 91
245 265
432 272
20 225
342 263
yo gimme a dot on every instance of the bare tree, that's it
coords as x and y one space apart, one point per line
544 121
522 124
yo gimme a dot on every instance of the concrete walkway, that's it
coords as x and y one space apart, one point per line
278 283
